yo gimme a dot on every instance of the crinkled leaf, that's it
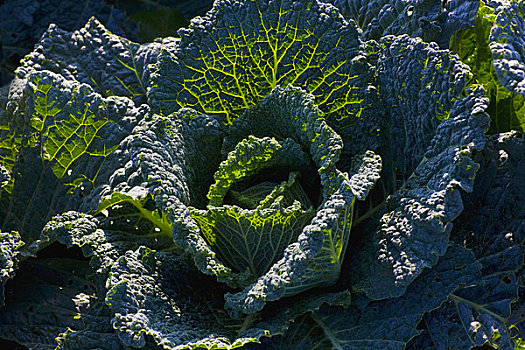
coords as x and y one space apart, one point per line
385 324
250 156
506 108
57 141
508 47
365 172
10 244
421 89
251 239
265 193
516 322
141 201
110 64
290 113
492 225
314 260
239 51
150 296
98 333
173 158
430 20
254 238
105 238
22 23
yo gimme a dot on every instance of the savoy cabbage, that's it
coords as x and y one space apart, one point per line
281 175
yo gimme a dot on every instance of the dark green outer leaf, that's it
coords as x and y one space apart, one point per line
386 324
430 134
431 20
58 139
492 225
508 47
506 108
173 158
104 239
149 295
98 333
111 65
46 296
22 23
235 55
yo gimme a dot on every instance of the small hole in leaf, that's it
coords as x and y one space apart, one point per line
31 308
506 280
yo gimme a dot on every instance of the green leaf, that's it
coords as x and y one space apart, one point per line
23 22
252 155
385 324
139 200
315 258
508 49
150 296
252 239
433 125
104 238
266 192
56 143
238 52
492 226
47 296
478 48
430 20
97 333
110 64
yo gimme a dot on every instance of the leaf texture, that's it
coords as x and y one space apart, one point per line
110 64
474 47
10 244
46 296
150 296
421 88
508 47
235 55
23 22
322 243
430 20
385 324
492 225
55 142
